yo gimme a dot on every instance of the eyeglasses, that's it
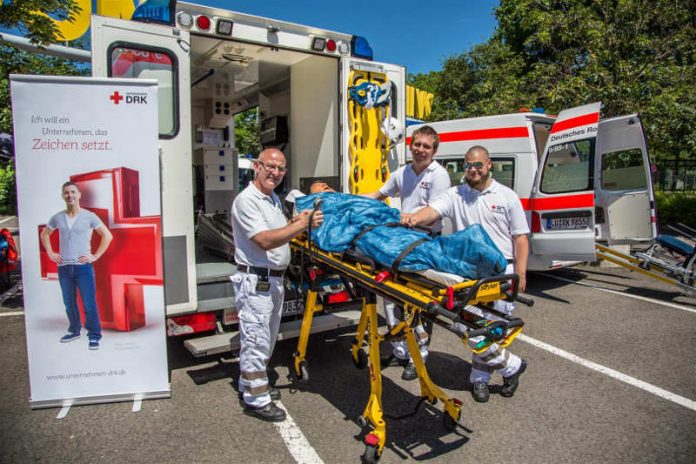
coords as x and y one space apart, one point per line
272 167
478 165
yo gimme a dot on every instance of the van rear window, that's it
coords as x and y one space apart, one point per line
139 63
569 168
624 170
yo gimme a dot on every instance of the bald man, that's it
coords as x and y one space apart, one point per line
261 235
482 200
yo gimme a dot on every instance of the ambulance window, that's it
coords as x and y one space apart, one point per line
502 170
149 63
624 170
541 135
568 167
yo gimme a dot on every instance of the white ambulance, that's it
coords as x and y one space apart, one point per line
581 180
212 64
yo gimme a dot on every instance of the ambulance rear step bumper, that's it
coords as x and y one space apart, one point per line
229 341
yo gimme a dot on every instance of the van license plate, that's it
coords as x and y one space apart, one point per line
571 223
292 307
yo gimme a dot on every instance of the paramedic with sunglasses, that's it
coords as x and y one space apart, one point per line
261 235
482 200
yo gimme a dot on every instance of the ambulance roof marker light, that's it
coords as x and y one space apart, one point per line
361 48
185 19
203 22
224 27
331 45
318 44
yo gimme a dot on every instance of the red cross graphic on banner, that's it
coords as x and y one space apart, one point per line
134 258
116 97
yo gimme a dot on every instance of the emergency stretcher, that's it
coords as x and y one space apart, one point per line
447 300
670 259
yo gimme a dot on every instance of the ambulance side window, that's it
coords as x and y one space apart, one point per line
623 170
502 170
136 61
568 167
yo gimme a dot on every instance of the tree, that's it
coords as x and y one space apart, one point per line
246 132
31 17
633 55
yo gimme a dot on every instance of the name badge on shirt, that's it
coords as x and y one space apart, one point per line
263 285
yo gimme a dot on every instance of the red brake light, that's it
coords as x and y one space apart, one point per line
536 222
331 45
203 23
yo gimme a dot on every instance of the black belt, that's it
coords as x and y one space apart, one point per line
260 271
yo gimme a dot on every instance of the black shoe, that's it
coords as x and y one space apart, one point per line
393 361
511 383
480 392
409 372
268 413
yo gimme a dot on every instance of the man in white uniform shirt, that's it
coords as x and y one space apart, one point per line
417 184
261 235
482 200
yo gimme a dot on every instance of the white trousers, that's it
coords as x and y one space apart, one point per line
494 358
399 345
259 321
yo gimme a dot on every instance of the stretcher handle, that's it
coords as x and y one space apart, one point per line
524 300
428 230
497 326
436 309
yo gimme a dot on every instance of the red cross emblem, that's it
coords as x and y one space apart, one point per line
134 258
116 97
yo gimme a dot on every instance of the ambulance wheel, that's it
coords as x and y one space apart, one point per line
361 362
448 423
304 372
370 455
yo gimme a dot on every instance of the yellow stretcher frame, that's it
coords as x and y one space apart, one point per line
414 297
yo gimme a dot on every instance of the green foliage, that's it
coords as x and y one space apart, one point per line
246 132
8 190
673 208
636 56
28 16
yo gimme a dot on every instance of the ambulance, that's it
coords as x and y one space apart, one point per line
337 114
582 180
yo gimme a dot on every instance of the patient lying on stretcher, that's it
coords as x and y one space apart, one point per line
372 228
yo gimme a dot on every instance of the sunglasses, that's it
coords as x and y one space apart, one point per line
478 165
272 167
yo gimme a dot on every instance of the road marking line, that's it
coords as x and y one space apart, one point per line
2 221
296 442
680 400
616 292
14 313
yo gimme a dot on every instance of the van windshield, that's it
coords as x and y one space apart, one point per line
569 167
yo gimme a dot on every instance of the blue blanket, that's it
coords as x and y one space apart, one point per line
469 253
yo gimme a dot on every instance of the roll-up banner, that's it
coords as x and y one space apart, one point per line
88 191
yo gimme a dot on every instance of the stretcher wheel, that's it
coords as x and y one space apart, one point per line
362 421
361 362
304 372
448 423
370 455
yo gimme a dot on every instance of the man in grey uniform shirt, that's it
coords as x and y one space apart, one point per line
417 184
74 260
261 235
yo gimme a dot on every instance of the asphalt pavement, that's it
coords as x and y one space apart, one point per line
611 379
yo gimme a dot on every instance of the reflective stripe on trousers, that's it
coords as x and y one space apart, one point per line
259 321
399 345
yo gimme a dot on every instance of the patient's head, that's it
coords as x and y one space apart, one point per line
319 186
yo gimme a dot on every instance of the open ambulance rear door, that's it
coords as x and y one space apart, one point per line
371 93
149 51
562 201
625 201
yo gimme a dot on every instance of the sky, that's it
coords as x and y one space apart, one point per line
417 34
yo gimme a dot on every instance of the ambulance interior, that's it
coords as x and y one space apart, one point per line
296 95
